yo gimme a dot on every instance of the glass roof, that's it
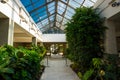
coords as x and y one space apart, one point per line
52 15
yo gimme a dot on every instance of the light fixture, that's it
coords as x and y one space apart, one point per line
4 1
48 54
61 53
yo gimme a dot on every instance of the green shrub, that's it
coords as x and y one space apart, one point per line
111 67
88 74
80 75
75 67
20 63
5 62
85 32
103 69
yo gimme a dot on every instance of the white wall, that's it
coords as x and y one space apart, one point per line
106 9
12 10
54 38
110 38
111 14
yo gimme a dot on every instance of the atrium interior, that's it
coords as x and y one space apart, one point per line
47 23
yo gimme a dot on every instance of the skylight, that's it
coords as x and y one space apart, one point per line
52 15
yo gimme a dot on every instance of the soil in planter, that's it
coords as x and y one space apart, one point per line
1 78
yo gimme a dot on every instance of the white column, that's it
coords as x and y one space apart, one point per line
6 31
11 32
110 40
34 41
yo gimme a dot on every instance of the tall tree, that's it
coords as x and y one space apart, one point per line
84 34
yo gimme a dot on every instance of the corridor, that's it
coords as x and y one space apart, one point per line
57 69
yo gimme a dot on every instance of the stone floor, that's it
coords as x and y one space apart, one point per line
58 68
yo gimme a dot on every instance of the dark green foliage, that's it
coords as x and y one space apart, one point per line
75 67
94 72
84 33
20 63
111 67
103 69
87 74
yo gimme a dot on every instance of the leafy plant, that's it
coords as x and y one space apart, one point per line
95 72
88 74
111 67
80 75
84 32
20 63
4 64
97 63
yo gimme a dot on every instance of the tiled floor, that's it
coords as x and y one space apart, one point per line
58 70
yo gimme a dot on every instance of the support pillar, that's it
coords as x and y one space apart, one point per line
110 40
34 41
6 31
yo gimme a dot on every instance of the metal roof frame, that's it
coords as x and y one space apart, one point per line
58 7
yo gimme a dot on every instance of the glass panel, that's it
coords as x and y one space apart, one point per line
93 0
39 18
38 3
42 29
64 1
39 25
59 18
57 24
74 4
33 14
61 5
44 22
42 15
34 0
62 27
70 10
41 9
60 11
26 2
29 8
46 26
51 10
79 1
51 24
49 0
35 4
88 3
38 11
69 14
64 21
51 4
52 18
35 18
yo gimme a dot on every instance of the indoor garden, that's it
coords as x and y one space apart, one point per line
65 39
21 63
85 35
